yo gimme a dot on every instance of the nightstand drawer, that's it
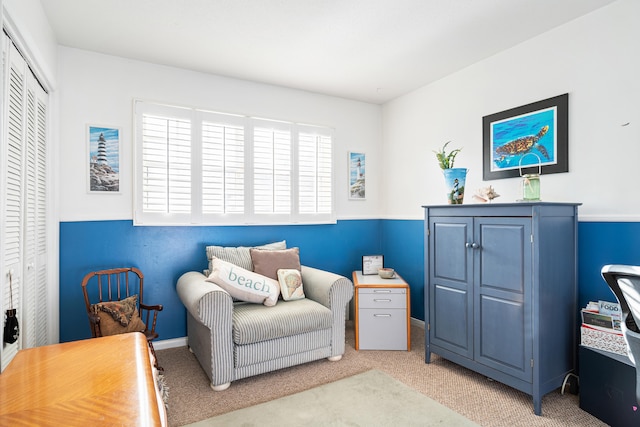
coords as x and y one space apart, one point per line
382 298
383 329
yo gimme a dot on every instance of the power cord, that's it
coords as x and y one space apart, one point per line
572 387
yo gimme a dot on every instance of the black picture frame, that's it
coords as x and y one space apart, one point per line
510 136
371 264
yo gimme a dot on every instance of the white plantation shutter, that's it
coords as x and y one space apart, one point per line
166 161
272 167
200 167
164 181
315 171
24 233
223 165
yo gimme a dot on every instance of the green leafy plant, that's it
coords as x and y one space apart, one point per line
446 159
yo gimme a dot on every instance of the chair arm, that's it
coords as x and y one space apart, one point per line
334 292
211 306
202 298
151 307
329 289
155 309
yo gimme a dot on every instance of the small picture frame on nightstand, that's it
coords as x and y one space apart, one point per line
371 263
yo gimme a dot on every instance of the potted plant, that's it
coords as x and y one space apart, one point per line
454 178
446 159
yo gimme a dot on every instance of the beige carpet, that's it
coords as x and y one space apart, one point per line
485 402
369 399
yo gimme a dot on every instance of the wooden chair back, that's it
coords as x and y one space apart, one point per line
113 285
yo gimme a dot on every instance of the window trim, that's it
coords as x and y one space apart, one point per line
197 217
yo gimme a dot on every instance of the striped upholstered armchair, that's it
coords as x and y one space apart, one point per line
234 339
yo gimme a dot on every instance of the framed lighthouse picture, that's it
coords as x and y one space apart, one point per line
357 189
104 159
523 139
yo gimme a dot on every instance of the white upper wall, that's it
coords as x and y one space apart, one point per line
594 58
99 89
36 39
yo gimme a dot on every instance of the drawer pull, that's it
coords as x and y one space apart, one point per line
382 300
381 315
382 291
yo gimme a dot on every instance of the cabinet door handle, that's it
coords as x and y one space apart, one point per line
382 300
381 315
473 245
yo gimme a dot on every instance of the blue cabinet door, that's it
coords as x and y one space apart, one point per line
451 284
502 295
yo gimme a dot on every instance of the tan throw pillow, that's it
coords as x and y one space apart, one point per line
290 284
242 284
119 317
268 263
239 255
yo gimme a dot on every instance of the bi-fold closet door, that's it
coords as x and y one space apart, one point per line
23 196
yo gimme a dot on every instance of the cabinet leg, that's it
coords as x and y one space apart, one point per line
537 405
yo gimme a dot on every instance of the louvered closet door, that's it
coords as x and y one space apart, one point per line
23 244
35 230
14 157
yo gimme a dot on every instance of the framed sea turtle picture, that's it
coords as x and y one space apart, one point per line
527 139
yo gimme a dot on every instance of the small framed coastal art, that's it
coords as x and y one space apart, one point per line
372 263
357 189
526 138
103 144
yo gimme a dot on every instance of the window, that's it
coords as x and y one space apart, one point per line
200 167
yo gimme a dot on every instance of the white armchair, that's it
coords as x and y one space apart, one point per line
234 340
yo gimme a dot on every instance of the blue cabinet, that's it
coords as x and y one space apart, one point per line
500 291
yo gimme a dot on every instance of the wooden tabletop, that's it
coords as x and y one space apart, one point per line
99 381
374 281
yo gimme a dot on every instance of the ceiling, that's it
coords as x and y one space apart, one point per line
367 50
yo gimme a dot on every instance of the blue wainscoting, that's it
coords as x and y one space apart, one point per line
403 249
164 253
599 244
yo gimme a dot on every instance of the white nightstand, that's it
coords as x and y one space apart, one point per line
382 313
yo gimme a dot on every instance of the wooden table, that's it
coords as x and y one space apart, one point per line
99 381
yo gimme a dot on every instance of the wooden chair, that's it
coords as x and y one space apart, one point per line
114 285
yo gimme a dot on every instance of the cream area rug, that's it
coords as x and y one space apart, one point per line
372 398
